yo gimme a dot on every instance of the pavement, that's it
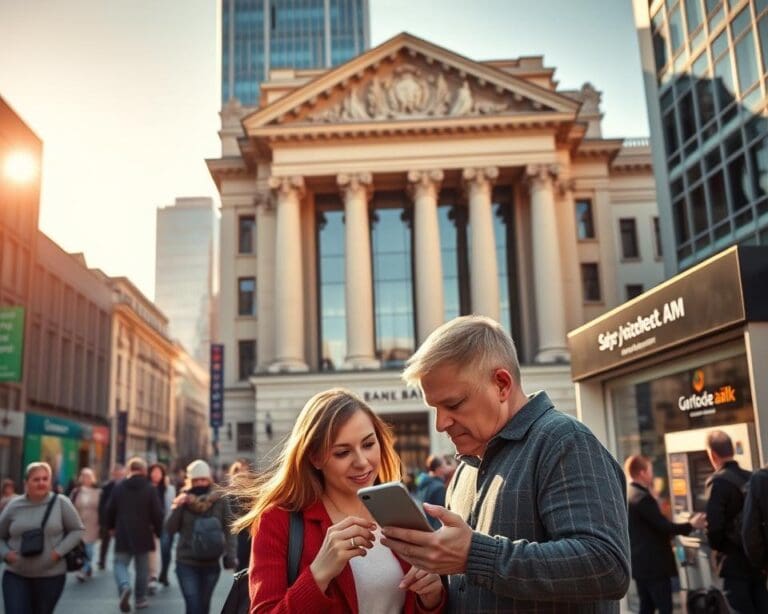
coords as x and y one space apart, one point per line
98 595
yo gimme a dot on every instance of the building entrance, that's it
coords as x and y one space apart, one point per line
411 431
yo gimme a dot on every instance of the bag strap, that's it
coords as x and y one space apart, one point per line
295 545
48 509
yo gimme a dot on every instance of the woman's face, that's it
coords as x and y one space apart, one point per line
86 479
156 476
38 484
354 458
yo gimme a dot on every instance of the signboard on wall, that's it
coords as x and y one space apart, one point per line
11 343
217 385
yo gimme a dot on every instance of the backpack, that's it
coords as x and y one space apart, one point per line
733 532
208 541
706 601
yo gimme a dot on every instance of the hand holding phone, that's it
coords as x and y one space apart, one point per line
392 506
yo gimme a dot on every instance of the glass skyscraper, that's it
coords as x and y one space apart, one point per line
705 64
259 35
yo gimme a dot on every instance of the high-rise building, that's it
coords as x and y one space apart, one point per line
705 64
185 271
364 206
260 35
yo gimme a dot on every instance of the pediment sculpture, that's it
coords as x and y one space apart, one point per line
410 93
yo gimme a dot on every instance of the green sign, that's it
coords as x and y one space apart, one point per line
11 343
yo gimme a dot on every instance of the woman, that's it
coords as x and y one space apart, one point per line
85 497
33 584
167 493
8 492
200 514
338 446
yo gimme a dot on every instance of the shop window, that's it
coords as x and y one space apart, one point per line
590 281
246 296
246 363
585 227
628 232
246 234
245 437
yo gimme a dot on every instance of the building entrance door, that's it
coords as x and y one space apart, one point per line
411 431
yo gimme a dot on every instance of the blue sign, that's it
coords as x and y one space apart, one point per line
217 385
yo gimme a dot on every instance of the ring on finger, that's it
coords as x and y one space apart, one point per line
352 541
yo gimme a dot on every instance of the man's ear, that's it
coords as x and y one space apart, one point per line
504 383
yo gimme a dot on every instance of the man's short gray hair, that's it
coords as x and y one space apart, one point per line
474 343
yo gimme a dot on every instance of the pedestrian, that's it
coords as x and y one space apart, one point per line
432 487
744 585
7 493
134 514
240 467
653 564
85 497
338 445
160 559
36 531
105 535
754 530
201 516
536 517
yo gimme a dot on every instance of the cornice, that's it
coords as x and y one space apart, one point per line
231 167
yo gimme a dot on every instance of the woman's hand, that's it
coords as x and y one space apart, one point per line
11 557
345 540
55 556
426 585
179 501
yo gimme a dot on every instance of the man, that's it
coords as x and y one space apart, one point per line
754 529
118 473
649 533
431 488
135 516
537 517
744 585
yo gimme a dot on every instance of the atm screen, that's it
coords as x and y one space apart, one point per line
699 469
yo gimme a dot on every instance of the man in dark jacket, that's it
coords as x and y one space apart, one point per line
649 533
118 473
754 529
431 489
743 584
135 515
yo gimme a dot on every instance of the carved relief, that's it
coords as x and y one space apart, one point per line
411 92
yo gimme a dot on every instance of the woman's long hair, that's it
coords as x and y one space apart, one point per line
293 483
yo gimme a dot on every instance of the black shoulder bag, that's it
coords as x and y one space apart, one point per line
33 541
238 600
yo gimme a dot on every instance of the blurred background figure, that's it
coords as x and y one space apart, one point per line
160 559
7 493
431 488
118 473
240 467
85 497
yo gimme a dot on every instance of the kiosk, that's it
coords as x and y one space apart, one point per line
656 374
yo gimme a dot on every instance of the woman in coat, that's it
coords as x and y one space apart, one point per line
33 583
338 446
85 498
160 559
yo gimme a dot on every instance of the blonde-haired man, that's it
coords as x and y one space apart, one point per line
536 517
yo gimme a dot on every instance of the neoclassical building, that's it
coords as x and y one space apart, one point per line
364 205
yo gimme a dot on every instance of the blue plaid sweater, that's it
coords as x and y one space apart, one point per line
548 508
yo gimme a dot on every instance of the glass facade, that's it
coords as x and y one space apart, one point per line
261 34
333 327
711 59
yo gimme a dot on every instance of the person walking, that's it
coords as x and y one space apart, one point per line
338 446
8 492
653 564
201 516
240 467
160 559
36 531
134 514
105 536
85 497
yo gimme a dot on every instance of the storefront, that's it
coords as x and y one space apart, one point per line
66 445
655 375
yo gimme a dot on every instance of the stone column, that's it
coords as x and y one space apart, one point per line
484 271
424 187
356 190
548 278
289 280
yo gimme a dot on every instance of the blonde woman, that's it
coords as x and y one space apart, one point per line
338 445
85 498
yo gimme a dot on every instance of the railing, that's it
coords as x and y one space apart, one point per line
637 141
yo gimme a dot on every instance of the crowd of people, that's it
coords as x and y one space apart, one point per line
537 515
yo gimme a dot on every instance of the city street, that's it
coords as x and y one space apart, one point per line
99 595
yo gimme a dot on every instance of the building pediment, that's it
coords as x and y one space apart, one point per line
407 80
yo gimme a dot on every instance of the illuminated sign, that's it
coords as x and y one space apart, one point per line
217 385
703 401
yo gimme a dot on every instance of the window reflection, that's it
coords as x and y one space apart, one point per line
504 233
453 222
333 332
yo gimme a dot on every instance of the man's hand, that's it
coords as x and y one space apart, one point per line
698 521
11 557
55 556
444 551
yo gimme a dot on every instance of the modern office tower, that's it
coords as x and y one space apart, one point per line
704 65
260 35
185 271
366 204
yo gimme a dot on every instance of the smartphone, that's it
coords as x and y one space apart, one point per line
392 506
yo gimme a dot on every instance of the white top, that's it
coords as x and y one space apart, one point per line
377 576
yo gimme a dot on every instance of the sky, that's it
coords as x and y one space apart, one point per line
125 96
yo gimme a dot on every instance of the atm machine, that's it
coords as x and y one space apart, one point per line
689 467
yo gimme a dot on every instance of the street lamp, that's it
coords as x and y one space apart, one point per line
19 167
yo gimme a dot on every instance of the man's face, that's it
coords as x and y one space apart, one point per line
469 407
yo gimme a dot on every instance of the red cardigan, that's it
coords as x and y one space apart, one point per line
267 575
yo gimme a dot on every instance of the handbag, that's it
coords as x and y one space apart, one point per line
75 558
33 540
238 600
